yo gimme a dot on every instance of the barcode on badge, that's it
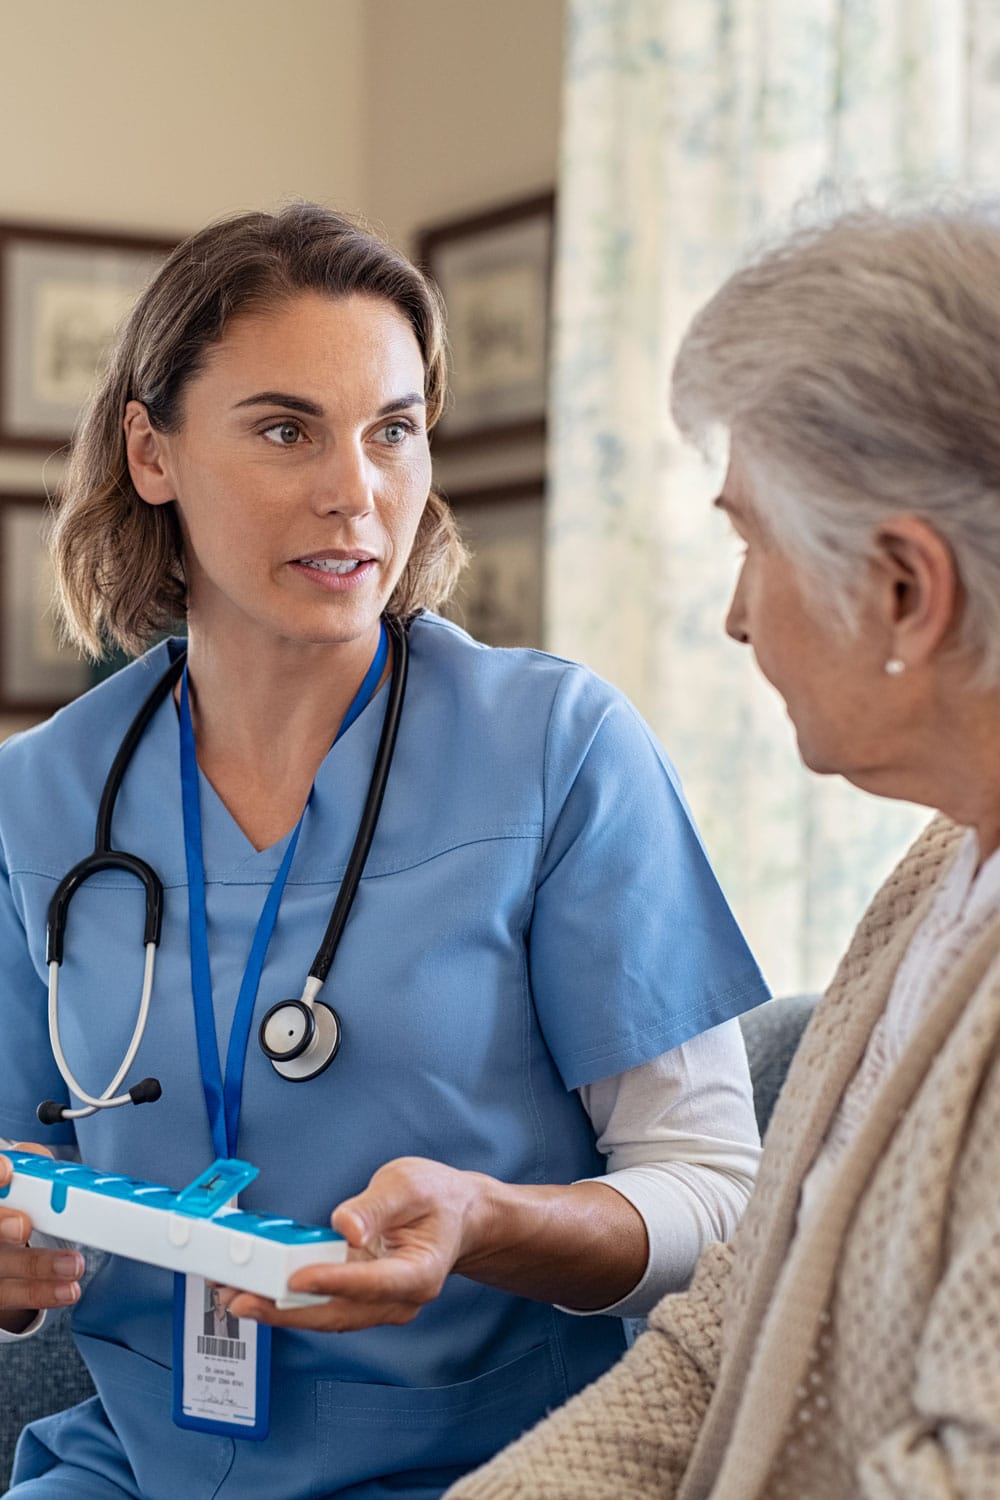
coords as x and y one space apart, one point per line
222 1348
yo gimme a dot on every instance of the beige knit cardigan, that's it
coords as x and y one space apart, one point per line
859 1360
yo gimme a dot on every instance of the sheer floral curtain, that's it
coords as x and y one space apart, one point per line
692 126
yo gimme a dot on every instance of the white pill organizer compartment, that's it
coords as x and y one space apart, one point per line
193 1231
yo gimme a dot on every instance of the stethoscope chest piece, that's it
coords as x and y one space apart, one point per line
301 1039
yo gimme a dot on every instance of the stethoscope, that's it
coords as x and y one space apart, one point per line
301 1037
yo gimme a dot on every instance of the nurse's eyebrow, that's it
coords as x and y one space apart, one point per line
282 398
311 409
402 402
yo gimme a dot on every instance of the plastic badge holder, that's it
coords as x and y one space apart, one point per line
191 1231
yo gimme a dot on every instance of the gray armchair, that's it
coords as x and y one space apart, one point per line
771 1033
45 1373
42 1375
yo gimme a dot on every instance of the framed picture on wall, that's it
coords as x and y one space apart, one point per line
495 271
500 596
38 674
62 295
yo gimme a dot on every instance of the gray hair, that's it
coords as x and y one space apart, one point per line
858 365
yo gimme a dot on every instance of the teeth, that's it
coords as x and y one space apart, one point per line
332 564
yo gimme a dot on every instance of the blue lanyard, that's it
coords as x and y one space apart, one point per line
223 1096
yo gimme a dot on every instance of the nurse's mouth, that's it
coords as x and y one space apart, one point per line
335 570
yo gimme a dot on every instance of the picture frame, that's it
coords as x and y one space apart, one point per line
494 271
38 673
500 597
62 294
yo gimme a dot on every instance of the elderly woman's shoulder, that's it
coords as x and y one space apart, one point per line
928 858
904 895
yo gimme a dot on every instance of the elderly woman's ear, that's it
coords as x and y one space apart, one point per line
918 593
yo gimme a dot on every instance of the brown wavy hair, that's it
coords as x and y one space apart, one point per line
119 563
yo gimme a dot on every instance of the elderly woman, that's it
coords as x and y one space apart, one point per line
848 1343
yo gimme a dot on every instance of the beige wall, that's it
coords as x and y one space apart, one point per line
464 105
153 115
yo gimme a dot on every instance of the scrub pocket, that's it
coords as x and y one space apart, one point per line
364 1431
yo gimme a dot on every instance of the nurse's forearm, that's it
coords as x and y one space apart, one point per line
582 1244
418 1221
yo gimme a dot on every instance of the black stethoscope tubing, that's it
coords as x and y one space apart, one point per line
104 857
325 954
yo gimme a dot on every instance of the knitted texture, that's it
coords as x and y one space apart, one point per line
860 1358
632 1431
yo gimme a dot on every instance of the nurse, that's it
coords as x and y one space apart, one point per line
539 1110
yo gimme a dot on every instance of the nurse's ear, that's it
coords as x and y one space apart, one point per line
148 458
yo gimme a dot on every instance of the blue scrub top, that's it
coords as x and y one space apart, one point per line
537 912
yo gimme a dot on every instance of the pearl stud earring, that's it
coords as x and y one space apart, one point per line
895 666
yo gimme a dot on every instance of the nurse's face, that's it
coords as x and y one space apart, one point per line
299 472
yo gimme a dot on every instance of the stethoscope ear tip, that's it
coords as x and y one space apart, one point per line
147 1091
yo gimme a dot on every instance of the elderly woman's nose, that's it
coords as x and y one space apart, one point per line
736 620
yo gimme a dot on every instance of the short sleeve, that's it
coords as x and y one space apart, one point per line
632 946
28 1073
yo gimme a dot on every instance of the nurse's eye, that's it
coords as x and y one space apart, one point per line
395 433
283 434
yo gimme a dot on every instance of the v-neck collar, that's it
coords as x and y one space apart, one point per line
230 856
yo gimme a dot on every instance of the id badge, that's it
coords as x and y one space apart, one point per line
222 1364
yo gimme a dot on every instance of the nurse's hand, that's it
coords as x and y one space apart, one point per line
405 1232
31 1279
580 1244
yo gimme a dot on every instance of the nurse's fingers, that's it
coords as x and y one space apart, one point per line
405 1193
360 1295
22 1263
37 1296
403 1276
339 1315
15 1227
38 1278
7 1166
31 1279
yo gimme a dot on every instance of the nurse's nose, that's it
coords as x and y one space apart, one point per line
345 484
